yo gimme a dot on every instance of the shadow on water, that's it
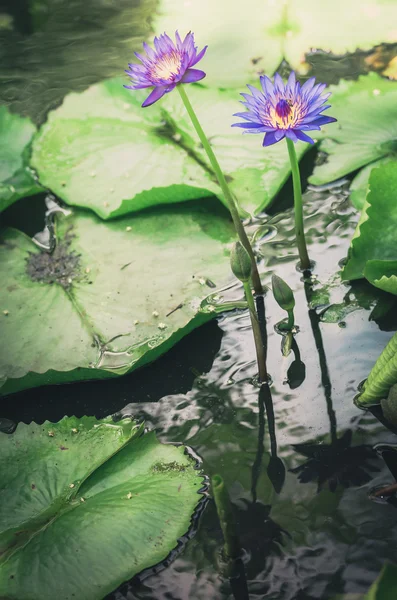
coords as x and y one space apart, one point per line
74 45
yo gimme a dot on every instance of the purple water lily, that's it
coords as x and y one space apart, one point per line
284 110
168 65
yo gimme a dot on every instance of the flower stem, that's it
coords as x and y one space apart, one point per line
260 350
225 189
299 229
290 323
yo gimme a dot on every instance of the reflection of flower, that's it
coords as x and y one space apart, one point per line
336 463
167 65
284 110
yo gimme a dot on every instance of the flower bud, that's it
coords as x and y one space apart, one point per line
282 293
240 262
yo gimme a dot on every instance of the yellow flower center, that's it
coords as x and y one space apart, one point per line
167 66
284 115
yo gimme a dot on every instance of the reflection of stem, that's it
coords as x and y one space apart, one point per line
271 421
325 378
298 206
225 188
260 351
256 467
226 517
260 311
238 580
295 350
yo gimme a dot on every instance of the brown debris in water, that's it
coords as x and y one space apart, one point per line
62 266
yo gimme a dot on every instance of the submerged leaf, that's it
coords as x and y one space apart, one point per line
16 180
112 297
90 504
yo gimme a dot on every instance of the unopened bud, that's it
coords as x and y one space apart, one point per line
240 262
282 293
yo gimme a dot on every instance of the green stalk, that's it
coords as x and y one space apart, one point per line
298 204
225 188
290 323
260 351
226 517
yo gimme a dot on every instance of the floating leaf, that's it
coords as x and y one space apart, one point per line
382 376
359 186
112 297
382 274
277 30
311 24
16 180
233 57
375 238
102 151
86 504
366 130
384 587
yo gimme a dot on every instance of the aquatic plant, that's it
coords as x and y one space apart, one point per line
167 68
381 378
241 266
98 493
287 111
284 297
167 65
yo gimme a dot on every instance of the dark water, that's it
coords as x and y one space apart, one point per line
300 468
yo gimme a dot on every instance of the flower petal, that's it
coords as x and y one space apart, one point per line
192 75
269 139
279 134
155 95
256 126
291 135
199 56
303 137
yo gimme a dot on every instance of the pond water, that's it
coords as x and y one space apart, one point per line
300 465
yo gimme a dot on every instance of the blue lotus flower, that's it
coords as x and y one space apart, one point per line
284 110
168 65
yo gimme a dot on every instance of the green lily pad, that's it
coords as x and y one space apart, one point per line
16 180
328 26
102 151
366 130
384 587
87 504
359 186
112 297
247 43
382 274
277 30
375 239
